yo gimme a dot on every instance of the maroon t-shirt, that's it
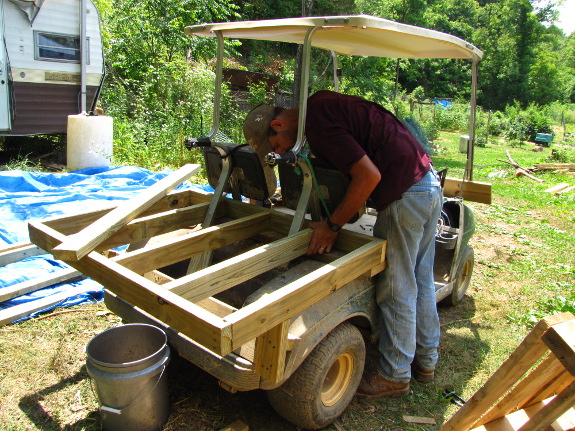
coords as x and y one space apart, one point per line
341 129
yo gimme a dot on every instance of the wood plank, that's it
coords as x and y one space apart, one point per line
272 309
514 421
527 388
561 341
221 276
181 248
469 190
80 244
529 351
184 316
143 228
551 411
11 314
270 354
17 252
70 224
28 286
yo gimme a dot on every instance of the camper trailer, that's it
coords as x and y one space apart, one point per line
44 77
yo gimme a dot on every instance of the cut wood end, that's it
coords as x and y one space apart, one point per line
66 254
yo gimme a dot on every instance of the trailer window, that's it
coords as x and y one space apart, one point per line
58 47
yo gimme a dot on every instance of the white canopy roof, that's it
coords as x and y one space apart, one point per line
350 35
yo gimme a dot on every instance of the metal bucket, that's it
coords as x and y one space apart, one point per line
128 366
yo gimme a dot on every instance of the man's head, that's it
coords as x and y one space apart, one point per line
271 129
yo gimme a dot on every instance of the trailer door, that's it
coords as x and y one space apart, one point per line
4 93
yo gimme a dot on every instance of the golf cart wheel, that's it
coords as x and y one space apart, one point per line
462 277
319 391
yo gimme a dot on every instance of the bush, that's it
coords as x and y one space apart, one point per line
524 125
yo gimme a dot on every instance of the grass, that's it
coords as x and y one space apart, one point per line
524 270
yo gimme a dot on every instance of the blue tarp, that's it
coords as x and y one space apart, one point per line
27 196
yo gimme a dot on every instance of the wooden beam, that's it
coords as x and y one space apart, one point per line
270 354
548 369
178 249
156 224
28 286
80 244
74 223
184 316
561 341
551 411
519 362
17 252
213 305
272 309
469 190
11 314
219 277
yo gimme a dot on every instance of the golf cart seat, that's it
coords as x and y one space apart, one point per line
332 186
247 177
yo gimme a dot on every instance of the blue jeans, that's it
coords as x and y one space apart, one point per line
405 290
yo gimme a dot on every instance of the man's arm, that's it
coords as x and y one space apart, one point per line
364 177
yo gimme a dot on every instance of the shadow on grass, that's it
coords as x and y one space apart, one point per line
31 405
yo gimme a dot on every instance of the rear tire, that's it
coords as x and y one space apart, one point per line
319 391
462 277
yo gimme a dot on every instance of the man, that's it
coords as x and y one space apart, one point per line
388 167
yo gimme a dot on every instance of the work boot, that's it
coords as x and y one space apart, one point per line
376 386
421 374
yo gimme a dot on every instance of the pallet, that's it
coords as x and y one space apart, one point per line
533 390
186 304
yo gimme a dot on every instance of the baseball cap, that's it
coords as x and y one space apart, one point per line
256 127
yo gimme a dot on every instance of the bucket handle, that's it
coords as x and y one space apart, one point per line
115 411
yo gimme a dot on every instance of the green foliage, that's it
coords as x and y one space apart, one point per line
524 125
546 307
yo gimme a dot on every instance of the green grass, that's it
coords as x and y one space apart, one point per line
524 270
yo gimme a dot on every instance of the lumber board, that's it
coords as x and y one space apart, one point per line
11 314
80 244
529 351
561 341
28 286
557 188
145 228
469 190
213 305
231 272
272 309
551 411
516 420
184 316
270 353
74 223
549 369
181 248
17 252
346 240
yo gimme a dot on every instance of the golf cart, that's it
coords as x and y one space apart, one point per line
252 309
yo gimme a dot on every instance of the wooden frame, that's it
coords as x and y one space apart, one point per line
186 304
534 389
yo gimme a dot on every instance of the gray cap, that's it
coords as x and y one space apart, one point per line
256 126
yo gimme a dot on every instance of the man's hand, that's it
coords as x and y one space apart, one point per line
322 239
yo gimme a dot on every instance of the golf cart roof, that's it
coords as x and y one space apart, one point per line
350 35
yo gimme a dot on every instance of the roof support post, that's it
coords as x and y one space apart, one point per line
218 84
472 115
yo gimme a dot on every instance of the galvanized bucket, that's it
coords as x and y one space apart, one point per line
128 366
